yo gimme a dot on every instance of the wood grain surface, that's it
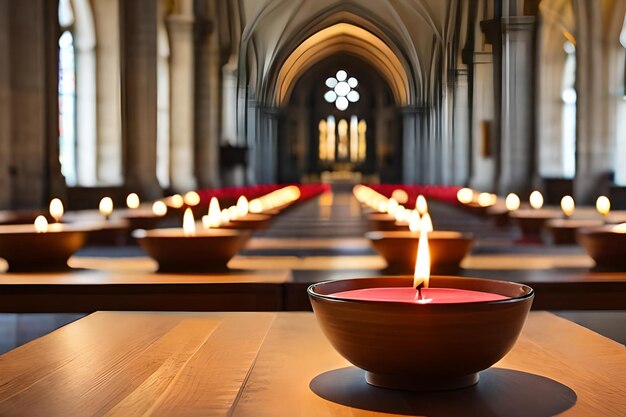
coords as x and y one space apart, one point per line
280 364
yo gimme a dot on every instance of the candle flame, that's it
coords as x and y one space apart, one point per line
215 214
422 265
41 224
176 201
421 205
415 222
159 208
233 213
399 214
465 195
400 196
426 223
381 206
536 200
132 201
191 198
242 206
568 205
619 228
189 223
486 199
256 206
512 202
56 209
603 205
225 216
392 206
106 207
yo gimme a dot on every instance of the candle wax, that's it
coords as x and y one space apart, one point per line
409 295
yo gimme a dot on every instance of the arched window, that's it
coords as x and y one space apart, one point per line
77 93
67 94
569 98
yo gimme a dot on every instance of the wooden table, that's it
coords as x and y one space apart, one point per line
280 364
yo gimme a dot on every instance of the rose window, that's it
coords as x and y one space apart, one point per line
342 90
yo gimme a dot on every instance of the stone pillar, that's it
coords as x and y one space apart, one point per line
410 154
207 86
108 104
513 40
30 171
139 95
268 145
461 146
180 29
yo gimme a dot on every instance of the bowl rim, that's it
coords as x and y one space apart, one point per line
311 292
447 235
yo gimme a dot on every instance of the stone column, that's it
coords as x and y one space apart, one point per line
139 95
180 29
268 145
207 87
29 155
410 154
108 104
461 149
513 40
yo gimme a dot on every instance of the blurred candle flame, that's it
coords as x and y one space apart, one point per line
421 205
426 223
536 200
603 205
568 205
414 222
242 206
41 224
132 201
106 207
465 195
191 198
159 208
512 202
189 223
56 209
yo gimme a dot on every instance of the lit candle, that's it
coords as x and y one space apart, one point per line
56 209
41 224
159 208
486 199
132 201
421 276
233 214
603 205
243 206
214 217
567 205
536 200
176 201
256 206
106 207
225 216
414 222
426 223
189 224
392 206
512 202
421 205
465 195
191 198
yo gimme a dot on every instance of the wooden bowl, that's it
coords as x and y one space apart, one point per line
381 221
399 248
563 231
207 251
28 251
606 247
421 346
250 222
532 221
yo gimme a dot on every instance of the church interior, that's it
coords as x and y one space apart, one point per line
312 207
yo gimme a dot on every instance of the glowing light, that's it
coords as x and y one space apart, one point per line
603 205
568 205
106 207
225 216
415 222
422 265
215 214
189 223
486 199
392 206
382 206
132 201
41 224
465 195
56 209
242 206
176 201
233 213
399 213
400 196
536 200
159 208
421 205
619 228
256 206
512 202
426 223
192 198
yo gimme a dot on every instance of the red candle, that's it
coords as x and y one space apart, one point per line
410 295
